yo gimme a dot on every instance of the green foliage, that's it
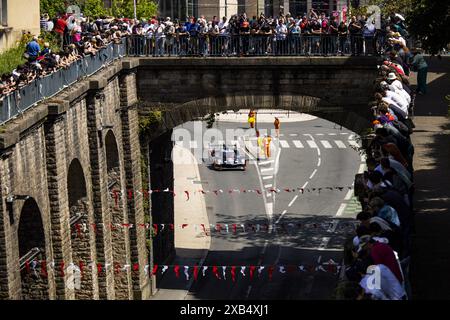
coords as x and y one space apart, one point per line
11 58
387 7
93 8
53 7
210 119
429 21
145 9
148 122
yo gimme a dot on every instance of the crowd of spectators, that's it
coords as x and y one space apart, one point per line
239 35
379 254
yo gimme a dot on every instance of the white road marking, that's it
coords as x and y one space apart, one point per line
326 144
319 162
268 186
293 134
362 167
363 158
332 134
306 183
269 195
297 144
312 174
341 210
267 177
344 133
319 134
348 195
311 144
282 214
292 201
350 137
340 144
353 143
262 163
284 144
266 169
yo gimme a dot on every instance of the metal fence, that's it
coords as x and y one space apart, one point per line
43 88
251 45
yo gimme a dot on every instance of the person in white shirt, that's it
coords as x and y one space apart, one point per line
160 39
398 98
382 284
399 108
384 85
223 27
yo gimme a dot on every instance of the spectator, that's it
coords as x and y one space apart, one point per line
32 50
419 65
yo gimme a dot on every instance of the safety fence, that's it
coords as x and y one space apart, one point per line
43 88
251 45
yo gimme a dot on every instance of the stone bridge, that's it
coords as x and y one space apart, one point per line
64 162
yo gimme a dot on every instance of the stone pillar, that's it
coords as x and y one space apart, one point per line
4 219
161 176
102 218
57 190
133 180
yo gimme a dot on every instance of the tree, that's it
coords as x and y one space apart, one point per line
429 21
53 7
93 8
125 8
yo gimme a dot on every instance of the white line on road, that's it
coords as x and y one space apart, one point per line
311 144
266 169
293 134
348 195
292 201
344 133
297 144
340 144
318 162
267 177
341 210
353 143
266 162
326 144
284 144
350 137
312 174
306 183
268 186
332 134
319 134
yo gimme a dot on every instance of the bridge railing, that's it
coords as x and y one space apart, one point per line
251 45
43 88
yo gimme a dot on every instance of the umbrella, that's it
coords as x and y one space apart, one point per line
398 15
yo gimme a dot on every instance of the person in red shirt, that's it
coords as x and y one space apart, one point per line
382 253
60 29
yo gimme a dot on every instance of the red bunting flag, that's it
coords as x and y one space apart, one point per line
216 272
195 272
78 228
61 268
234 227
155 269
176 269
233 273
27 266
203 227
155 227
44 268
187 195
184 225
171 226
99 267
136 267
94 226
117 267
270 272
252 270
130 194
81 266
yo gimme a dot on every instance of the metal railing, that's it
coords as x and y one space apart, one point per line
43 88
251 45
40 89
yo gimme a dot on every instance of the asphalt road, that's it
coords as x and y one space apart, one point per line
313 154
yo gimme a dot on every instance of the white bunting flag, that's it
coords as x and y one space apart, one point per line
260 269
204 270
226 227
146 269
224 269
162 226
243 227
243 270
258 227
301 268
281 269
186 272
125 267
164 269
84 227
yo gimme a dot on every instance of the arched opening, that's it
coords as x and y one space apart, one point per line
34 280
116 207
80 228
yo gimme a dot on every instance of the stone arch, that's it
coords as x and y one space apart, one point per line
116 209
354 117
31 237
80 230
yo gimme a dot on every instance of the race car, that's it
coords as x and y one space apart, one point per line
227 157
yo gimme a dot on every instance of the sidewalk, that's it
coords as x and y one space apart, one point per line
430 277
191 245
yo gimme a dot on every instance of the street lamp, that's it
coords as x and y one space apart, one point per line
135 15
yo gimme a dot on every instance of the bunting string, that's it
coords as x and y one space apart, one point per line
221 272
221 228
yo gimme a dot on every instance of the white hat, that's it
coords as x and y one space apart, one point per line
391 76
